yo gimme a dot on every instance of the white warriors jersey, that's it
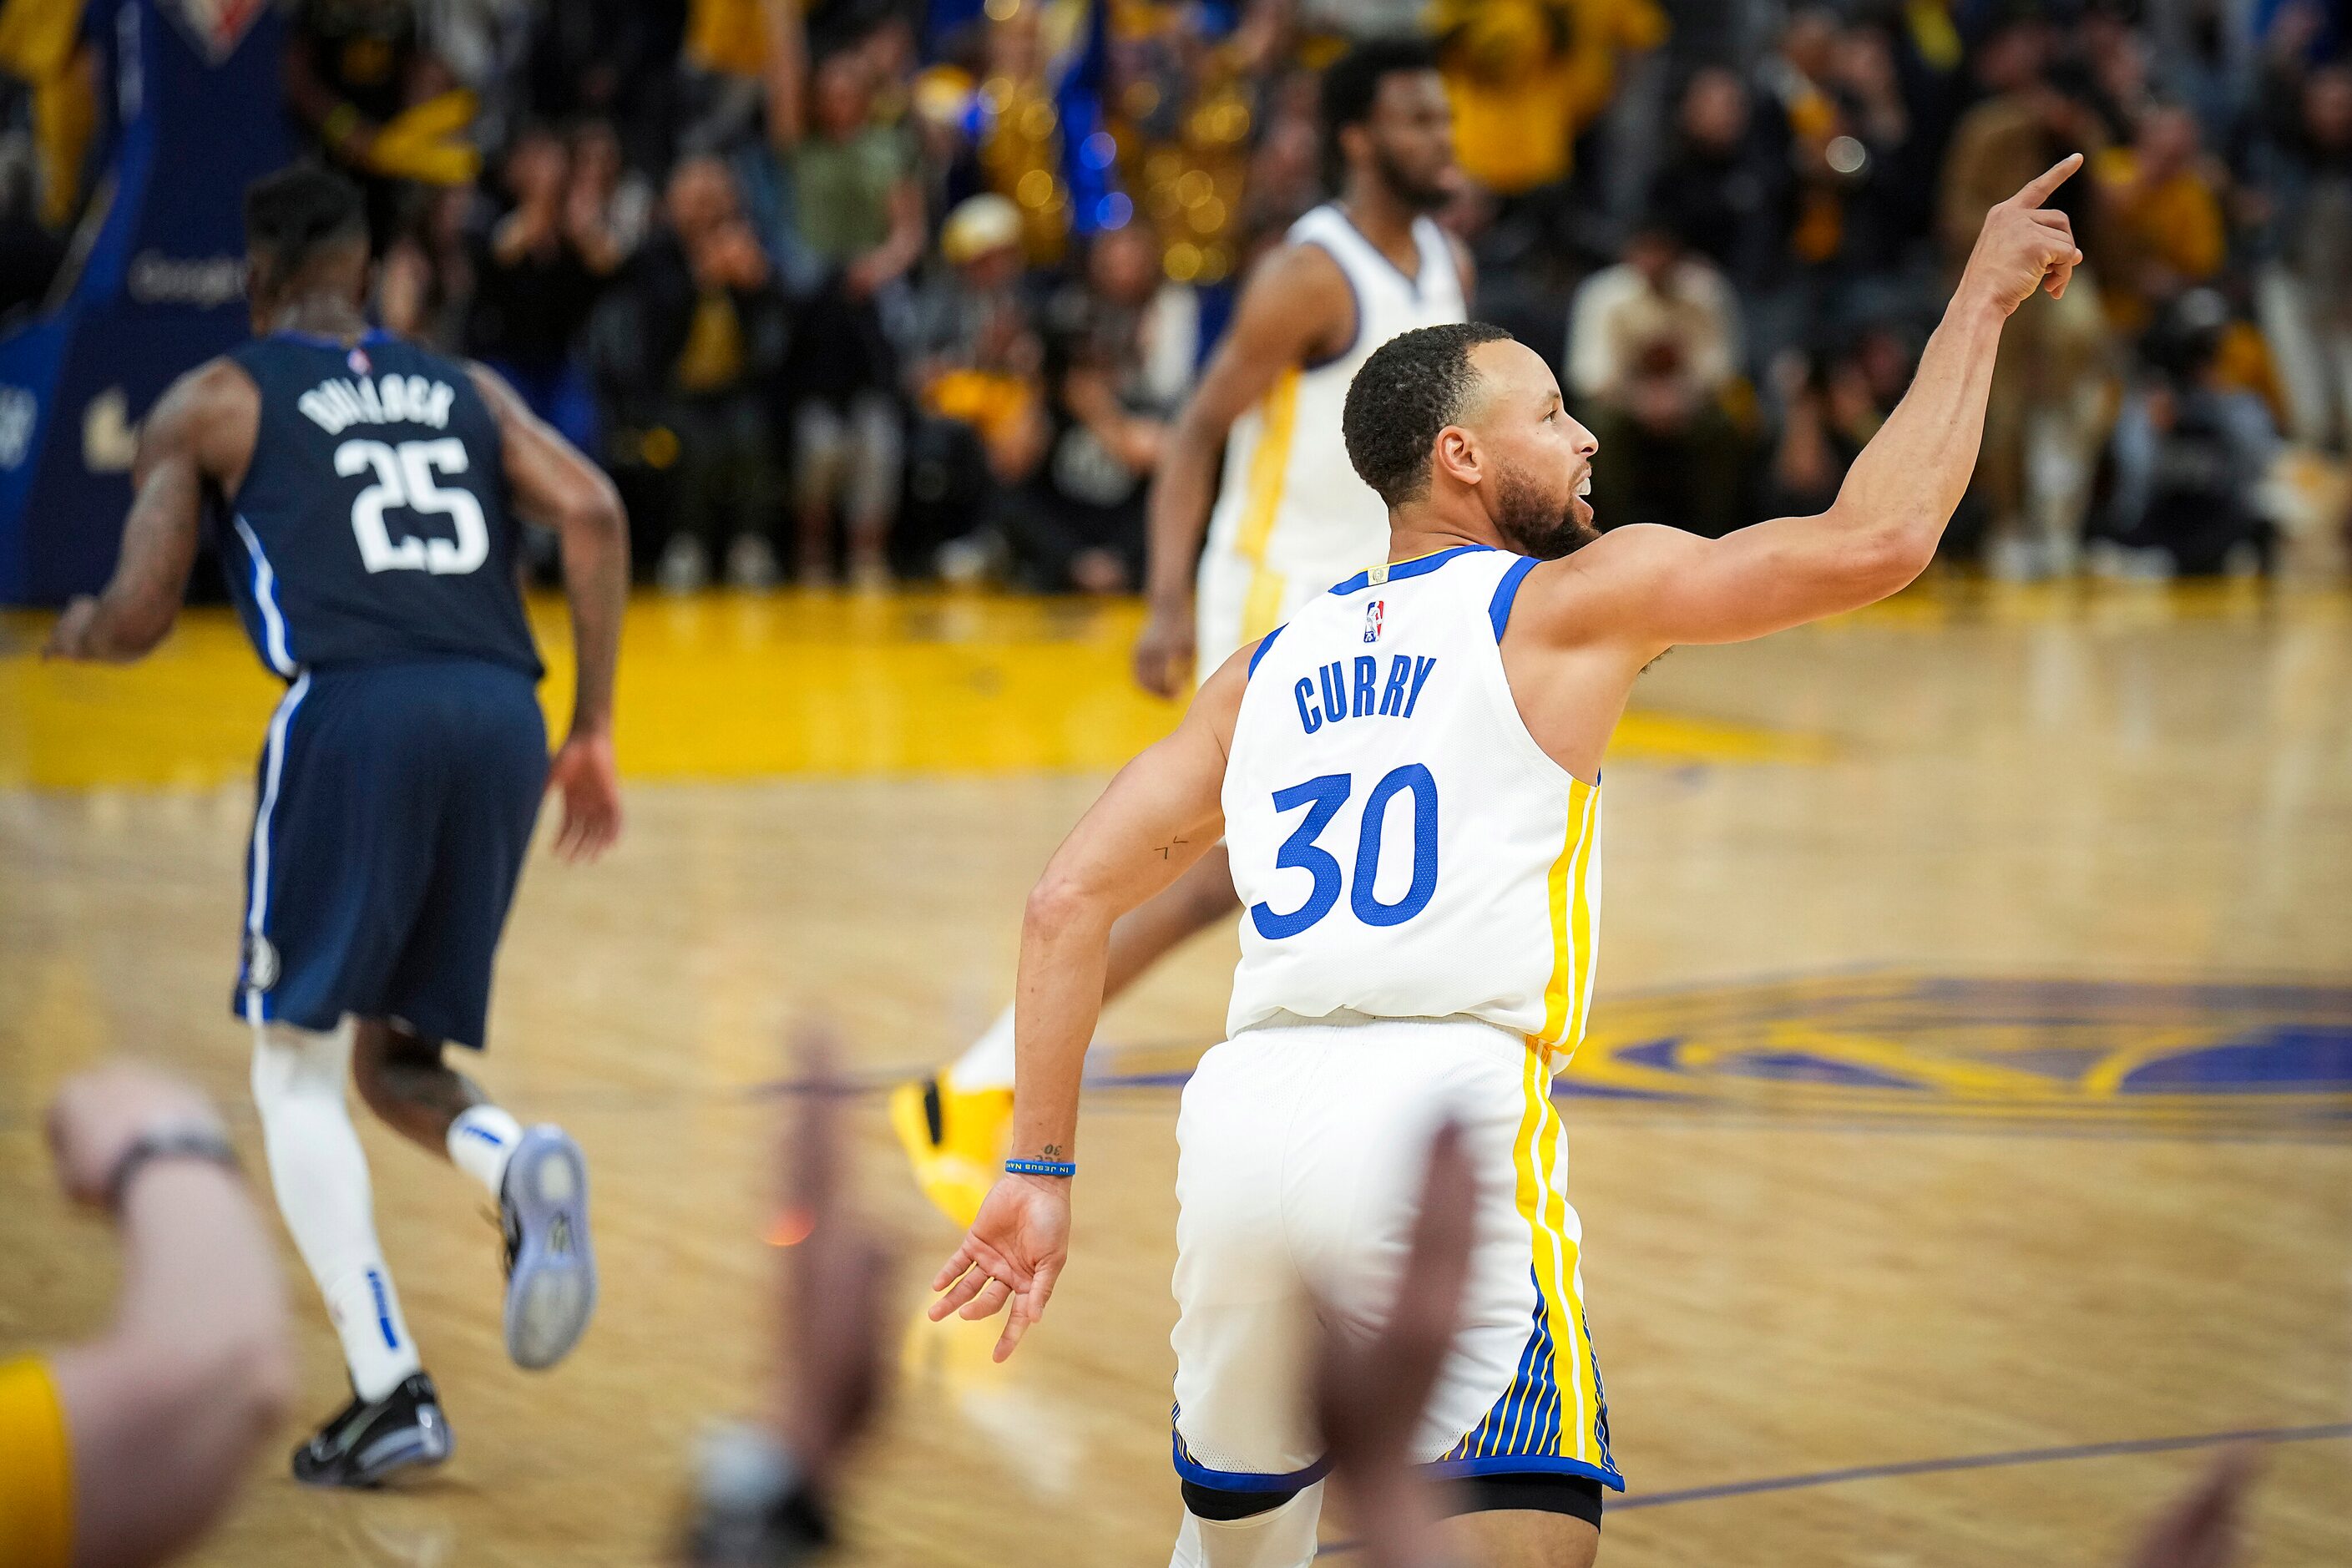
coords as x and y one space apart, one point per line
1291 517
1402 847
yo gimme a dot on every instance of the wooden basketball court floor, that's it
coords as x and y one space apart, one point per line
1964 1146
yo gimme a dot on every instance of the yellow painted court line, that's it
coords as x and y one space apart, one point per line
719 686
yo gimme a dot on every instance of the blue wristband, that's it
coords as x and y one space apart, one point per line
1041 1167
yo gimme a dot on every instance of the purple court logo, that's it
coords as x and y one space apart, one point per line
1372 613
2082 1051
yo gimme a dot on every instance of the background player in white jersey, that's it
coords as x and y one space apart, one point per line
1407 775
1290 518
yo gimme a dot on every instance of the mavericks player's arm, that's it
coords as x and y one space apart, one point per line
553 484
197 438
549 481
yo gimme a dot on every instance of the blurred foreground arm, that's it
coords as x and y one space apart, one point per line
1369 1398
1158 816
765 1491
164 1412
2203 1526
1647 587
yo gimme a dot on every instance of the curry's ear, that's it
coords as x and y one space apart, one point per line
1456 454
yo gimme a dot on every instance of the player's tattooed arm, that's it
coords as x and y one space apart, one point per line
197 438
1111 862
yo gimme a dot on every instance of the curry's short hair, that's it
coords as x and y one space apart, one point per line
1412 386
1352 83
300 211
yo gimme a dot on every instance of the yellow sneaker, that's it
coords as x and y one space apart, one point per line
954 1140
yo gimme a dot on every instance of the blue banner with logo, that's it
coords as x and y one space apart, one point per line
156 285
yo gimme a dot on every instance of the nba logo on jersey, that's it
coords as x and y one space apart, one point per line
358 360
1373 612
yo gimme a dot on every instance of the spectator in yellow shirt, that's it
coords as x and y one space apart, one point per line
1528 76
2160 227
121 1450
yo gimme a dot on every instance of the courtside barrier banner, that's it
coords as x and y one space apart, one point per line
154 284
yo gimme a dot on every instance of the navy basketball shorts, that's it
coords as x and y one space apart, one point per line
395 805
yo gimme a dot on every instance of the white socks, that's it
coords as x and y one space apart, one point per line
989 1063
481 1142
322 1180
1279 1538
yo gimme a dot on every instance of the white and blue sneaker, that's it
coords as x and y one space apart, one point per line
550 1266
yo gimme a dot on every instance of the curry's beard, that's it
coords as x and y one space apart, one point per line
1421 195
1534 524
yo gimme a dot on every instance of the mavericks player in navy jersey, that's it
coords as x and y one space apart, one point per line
365 497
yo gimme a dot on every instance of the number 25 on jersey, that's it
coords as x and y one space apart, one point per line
1323 797
405 478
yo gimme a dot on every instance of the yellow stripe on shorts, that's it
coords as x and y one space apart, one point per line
1579 1439
1570 988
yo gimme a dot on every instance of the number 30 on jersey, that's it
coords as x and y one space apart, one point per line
1323 797
405 478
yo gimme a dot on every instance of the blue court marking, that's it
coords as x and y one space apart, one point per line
2325 1432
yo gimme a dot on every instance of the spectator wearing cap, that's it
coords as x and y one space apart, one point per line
976 350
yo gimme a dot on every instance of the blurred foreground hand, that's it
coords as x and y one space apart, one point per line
765 1491
1369 1397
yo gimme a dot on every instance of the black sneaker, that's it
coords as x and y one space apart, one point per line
366 1442
550 1265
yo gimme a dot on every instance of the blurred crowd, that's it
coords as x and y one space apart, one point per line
865 289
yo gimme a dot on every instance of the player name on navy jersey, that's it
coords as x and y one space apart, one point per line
338 404
373 521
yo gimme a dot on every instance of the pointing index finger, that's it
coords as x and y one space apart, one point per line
2038 189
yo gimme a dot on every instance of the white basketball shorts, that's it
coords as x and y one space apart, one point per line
1302 1151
